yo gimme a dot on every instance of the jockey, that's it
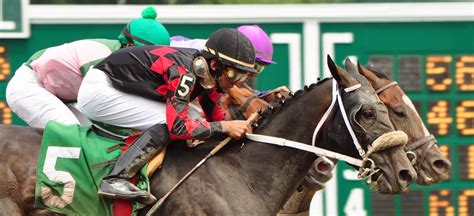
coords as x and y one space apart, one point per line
149 88
40 88
264 53
263 50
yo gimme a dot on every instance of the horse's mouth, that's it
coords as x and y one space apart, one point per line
375 180
433 172
425 178
384 186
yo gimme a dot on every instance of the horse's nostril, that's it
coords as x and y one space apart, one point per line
405 175
442 165
323 167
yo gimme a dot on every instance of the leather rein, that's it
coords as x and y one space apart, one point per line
238 113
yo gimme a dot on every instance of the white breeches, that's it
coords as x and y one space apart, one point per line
35 105
100 101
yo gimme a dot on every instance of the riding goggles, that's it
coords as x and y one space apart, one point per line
259 66
234 75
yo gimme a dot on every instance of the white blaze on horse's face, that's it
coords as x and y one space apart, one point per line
408 102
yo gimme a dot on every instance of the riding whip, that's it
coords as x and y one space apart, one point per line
216 149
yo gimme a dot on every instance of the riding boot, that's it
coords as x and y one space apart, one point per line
142 150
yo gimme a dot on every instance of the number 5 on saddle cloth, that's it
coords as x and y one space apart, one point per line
71 164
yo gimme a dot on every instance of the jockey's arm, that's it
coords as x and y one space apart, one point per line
211 106
180 126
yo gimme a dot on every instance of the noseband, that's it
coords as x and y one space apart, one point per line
425 141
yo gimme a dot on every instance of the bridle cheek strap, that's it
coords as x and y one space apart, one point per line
419 143
336 96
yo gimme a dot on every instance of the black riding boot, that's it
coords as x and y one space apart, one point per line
143 149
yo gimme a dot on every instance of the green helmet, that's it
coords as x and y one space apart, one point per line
145 30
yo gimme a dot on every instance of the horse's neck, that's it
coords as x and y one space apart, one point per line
257 176
275 172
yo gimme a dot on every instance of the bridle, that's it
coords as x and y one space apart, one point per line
364 171
425 141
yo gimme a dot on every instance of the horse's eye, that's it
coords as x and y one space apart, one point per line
400 113
368 114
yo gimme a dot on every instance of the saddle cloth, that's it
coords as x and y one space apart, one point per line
71 164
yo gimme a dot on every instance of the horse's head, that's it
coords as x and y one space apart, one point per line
241 102
375 139
431 165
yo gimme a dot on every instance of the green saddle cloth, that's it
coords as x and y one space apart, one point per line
71 164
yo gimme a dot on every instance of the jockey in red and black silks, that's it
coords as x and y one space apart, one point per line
149 88
165 74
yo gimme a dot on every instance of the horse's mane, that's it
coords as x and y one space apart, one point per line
276 106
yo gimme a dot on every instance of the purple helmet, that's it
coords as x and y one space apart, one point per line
261 42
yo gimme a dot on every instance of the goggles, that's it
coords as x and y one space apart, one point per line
259 66
235 75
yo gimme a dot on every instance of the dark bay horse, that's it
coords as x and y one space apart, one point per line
246 177
431 166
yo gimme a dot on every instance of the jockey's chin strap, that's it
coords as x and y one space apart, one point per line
316 150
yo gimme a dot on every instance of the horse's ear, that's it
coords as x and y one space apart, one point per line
333 68
340 75
350 67
366 73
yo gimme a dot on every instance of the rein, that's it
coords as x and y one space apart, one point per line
238 113
247 103
417 143
235 112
